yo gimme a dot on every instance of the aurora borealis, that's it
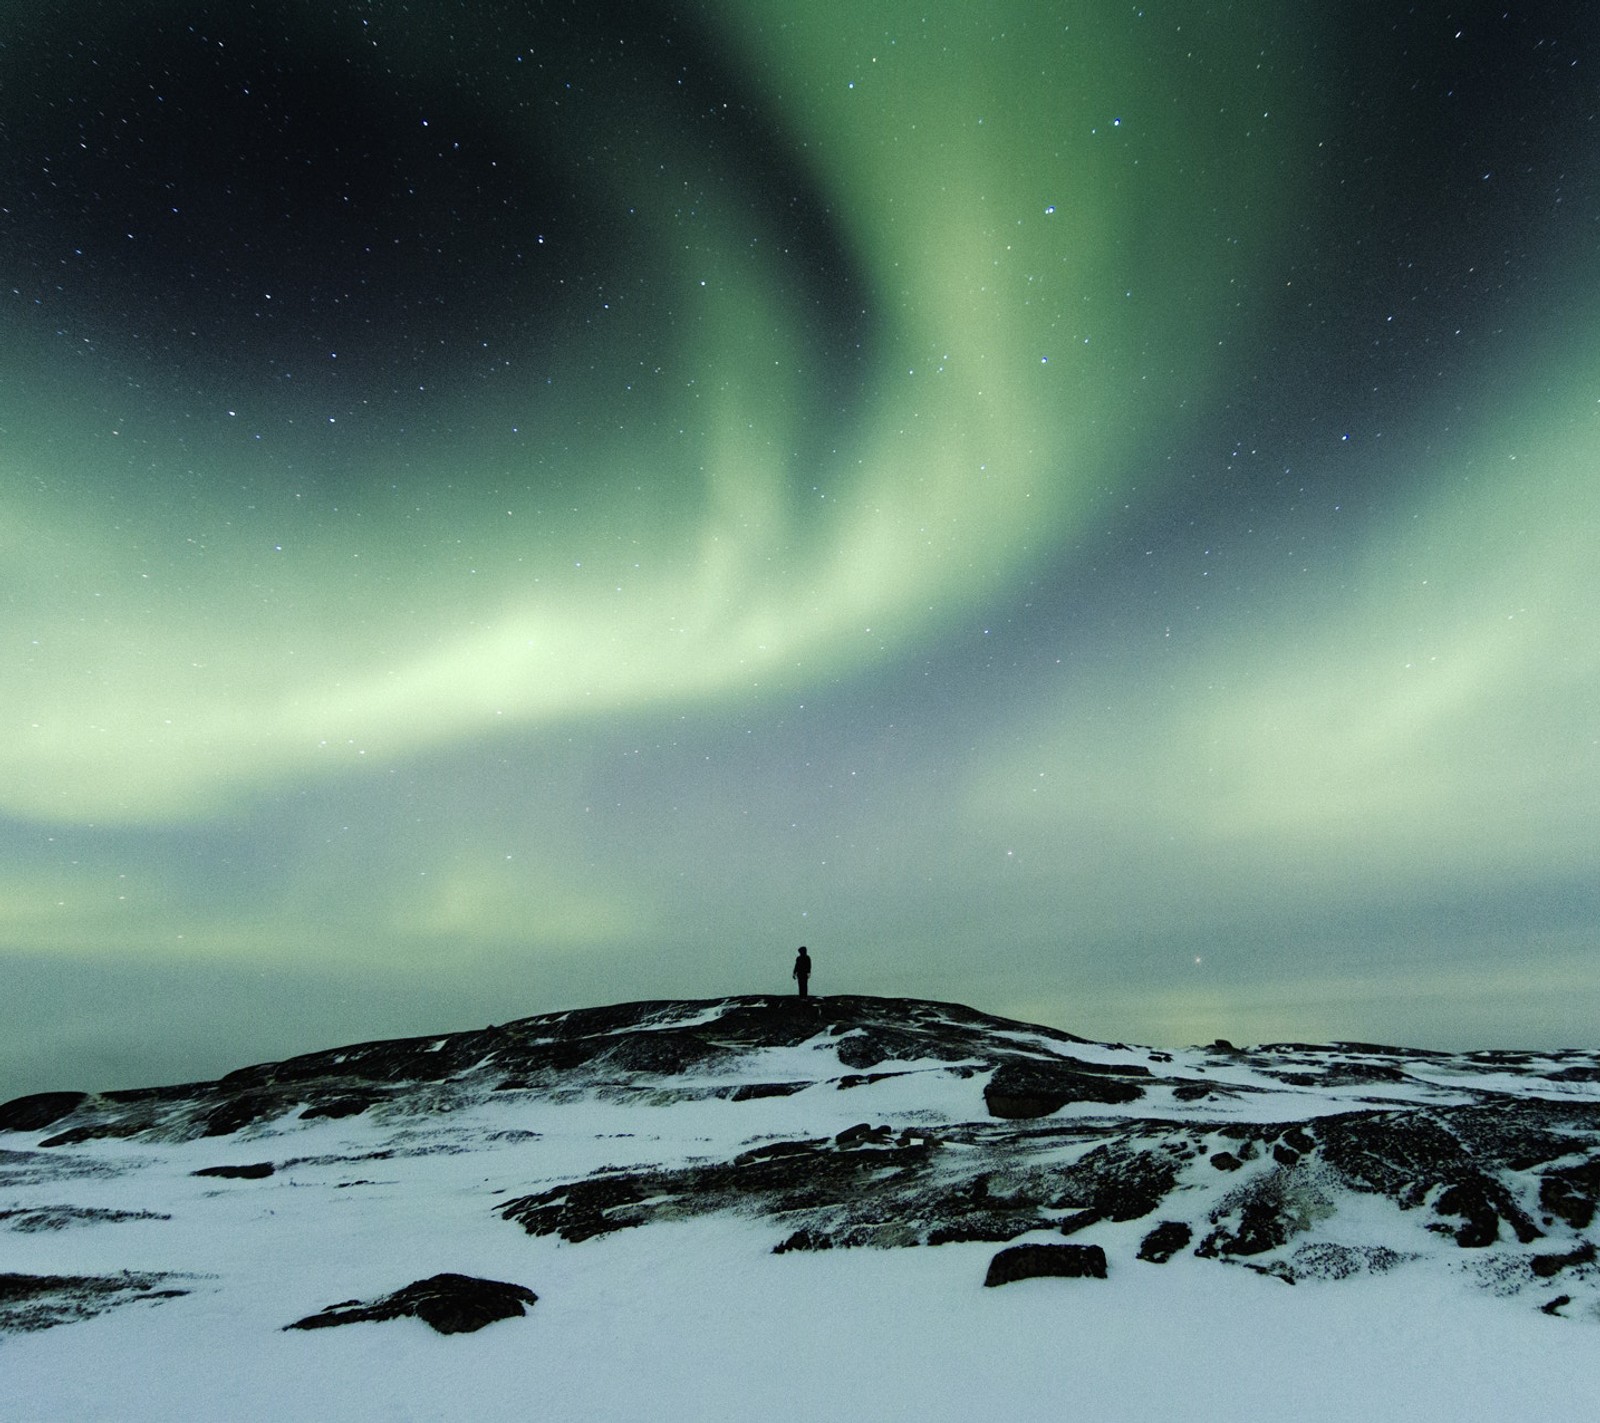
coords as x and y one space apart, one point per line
1084 510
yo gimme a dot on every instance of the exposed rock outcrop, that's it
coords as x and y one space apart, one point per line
991 1132
36 1112
1031 1262
1165 1241
41 1301
1030 1088
447 1303
251 1171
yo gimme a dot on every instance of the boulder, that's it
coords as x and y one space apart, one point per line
1027 1262
1165 1241
864 1134
447 1303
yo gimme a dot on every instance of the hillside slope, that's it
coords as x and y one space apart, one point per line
830 1181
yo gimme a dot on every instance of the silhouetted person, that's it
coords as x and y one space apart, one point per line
802 971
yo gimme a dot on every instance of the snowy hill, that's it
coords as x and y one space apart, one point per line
772 1207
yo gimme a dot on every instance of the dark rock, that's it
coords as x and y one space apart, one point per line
33 1302
1193 1091
36 1112
1226 1161
753 1091
863 1079
1571 1193
983 1225
1521 1134
1556 1305
238 1112
1080 1220
71 1137
1481 1204
864 1134
881 1041
775 1150
1264 1213
253 1171
1344 1074
434 1059
1105 1069
91 1131
803 1239
1121 1180
1329 1261
1022 1089
347 1106
861 1050
1400 1154
1165 1241
1480 1222
1028 1262
666 1052
870 1189
1548 1266
448 1303
64 1217
623 1045
585 1209
1385 1050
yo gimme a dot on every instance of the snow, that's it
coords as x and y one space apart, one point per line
698 1319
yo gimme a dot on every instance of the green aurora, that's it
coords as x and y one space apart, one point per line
1089 511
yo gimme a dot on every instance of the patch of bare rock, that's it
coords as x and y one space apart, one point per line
446 1303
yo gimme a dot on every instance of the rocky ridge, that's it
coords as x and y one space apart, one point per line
861 1122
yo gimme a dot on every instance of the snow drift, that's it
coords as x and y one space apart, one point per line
790 1208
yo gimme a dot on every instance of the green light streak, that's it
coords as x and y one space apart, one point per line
1043 228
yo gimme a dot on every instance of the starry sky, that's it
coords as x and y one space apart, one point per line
1088 510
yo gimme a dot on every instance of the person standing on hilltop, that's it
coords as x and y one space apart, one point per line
802 971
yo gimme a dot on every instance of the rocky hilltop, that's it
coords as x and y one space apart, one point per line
839 1122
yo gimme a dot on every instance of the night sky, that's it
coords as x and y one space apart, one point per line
1090 510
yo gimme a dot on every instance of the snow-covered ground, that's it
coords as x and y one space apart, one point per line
689 1315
